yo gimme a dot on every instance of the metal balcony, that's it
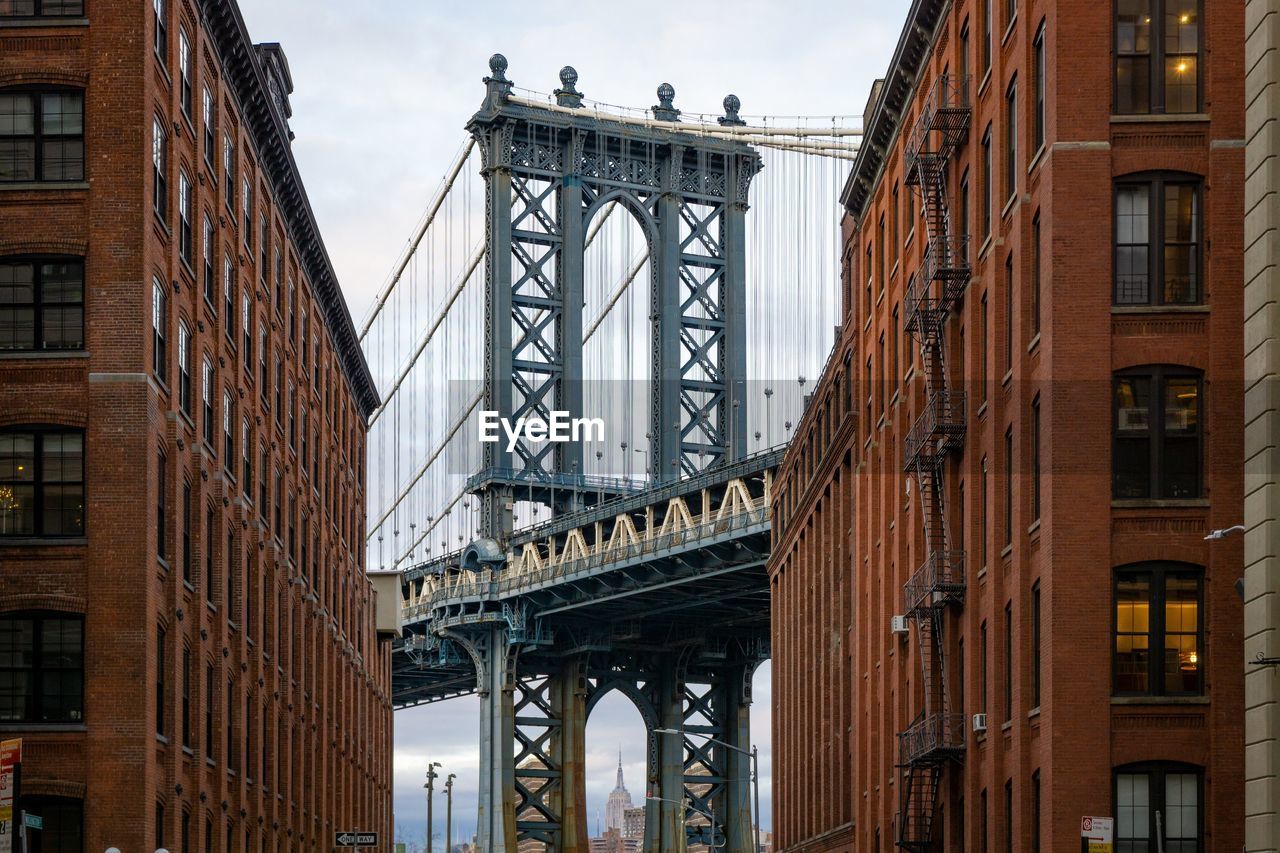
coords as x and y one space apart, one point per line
924 314
947 111
934 739
938 431
938 582
946 260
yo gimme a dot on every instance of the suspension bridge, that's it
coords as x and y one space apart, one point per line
668 277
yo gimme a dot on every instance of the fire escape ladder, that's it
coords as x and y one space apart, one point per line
936 736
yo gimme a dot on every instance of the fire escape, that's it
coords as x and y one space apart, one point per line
937 735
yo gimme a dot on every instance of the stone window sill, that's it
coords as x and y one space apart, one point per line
45 541
1159 118
1151 503
44 186
43 354
1159 700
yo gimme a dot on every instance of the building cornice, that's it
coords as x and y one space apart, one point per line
915 44
271 138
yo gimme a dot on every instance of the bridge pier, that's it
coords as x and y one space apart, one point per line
496 818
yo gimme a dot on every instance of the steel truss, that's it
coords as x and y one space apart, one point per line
936 736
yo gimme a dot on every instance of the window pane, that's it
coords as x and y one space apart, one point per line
17 457
62 7
1181 801
17 115
17 8
63 328
1182 635
63 510
1133 810
62 113
1133 26
63 160
1180 89
1133 609
1133 229
1132 463
17 159
61 281
1180 454
63 457
16 643
17 328
1181 230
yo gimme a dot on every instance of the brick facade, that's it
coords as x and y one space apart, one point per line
236 693
849 533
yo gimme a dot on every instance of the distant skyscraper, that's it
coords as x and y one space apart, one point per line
615 809
633 822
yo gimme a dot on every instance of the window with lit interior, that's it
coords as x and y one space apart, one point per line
1159 627
1158 49
41 482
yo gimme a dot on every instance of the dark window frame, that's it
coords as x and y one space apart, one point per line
1012 163
1157 771
38 136
55 810
1040 67
1156 94
38 306
35 711
1157 376
1158 573
39 432
38 11
1155 184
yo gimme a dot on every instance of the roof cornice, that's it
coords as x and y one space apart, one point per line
271 139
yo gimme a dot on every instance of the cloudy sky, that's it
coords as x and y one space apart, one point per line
379 103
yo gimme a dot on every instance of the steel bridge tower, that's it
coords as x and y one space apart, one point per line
936 737
548 170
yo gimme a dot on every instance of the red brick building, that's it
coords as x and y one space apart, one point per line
187 647
995 611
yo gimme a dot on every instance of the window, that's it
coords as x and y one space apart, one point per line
1010 11
293 423
246 325
186 698
160 678
184 216
232 754
1008 486
206 106
162 475
1011 140
187 523
1155 799
982 524
246 455
982 666
206 400
184 368
1035 459
964 58
1035 812
984 335
41 482
1008 816
229 298
41 668
964 211
263 378
982 814
246 206
41 135
161 41
159 825
208 720
1040 68
42 9
1035 645
881 271
229 171
1009 303
893 218
228 434
264 244
184 73
1157 229
208 554
1035 274
1157 56
159 320
41 304
62 817
210 280
159 170
1159 631
1157 445
988 190
279 404
1008 661
987 36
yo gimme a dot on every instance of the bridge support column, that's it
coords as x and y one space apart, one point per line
734 352
664 829
496 818
568 746
735 720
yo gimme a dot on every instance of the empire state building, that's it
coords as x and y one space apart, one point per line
619 801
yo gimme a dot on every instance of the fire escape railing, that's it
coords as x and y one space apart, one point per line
937 735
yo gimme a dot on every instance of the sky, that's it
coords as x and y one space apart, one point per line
380 99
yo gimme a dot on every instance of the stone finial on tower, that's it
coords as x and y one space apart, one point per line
665 110
731 107
497 84
567 95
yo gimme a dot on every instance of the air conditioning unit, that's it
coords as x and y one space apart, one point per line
898 624
979 722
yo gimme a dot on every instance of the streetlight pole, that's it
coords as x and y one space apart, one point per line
685 805
448 813
754 755
430 786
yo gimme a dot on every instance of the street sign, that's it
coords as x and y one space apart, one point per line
32 821
352 839
1096 834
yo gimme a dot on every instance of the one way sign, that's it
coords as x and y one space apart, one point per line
355 839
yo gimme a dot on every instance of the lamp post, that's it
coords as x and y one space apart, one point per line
754 755
448 812
686 806
430 786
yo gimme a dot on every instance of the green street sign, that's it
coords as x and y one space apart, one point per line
32 821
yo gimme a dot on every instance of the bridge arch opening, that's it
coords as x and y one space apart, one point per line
616 356
616 764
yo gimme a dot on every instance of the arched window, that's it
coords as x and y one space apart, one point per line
1157 807
41 481
41 134
1158 227
1156 452
41 303
41 667
1159 630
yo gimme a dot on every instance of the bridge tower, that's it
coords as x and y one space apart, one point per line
548 170
936 737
